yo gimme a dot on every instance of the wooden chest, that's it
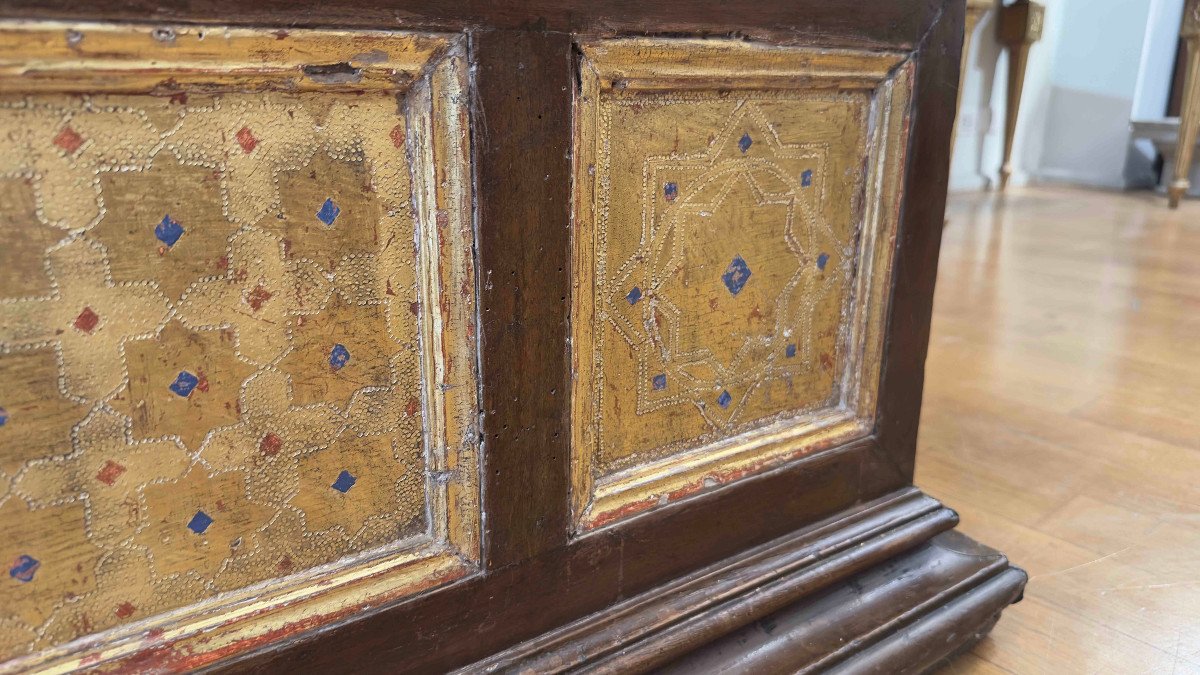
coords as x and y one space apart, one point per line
493 336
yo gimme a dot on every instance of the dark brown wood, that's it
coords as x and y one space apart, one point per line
903 616
858 23
640 593
926 176
651 629
522 142
519 602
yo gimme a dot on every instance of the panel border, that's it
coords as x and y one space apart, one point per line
523 56
430 74
645 64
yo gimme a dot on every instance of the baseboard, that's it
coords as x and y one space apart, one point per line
885 587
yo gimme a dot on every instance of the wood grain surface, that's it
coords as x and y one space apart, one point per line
1060 422
523 58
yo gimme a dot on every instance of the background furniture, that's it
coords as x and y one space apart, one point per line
1164 135
478 336
1189 116
976 10
1018 27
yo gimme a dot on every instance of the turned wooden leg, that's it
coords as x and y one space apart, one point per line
1018 57
976 9
1189 116
1019 26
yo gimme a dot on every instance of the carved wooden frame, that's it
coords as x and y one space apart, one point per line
687 64
632 593
428 73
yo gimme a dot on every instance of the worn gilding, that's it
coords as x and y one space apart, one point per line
735 214
236 335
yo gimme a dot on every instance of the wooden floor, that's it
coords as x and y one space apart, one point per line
1062 421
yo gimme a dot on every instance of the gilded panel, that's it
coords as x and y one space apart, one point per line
734 219
226 355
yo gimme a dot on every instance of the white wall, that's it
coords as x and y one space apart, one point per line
1158 57
1095 58
1153 89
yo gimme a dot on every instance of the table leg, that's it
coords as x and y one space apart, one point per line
1189 117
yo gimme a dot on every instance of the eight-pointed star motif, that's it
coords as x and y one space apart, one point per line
730 239
259 296
64 148
270 435
107 469
258 139
87 319
177 549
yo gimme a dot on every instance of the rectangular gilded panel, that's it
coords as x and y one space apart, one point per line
735 216
236 335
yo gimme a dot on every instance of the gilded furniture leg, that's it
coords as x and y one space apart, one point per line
1018 58
976 9
1020 25
1189 116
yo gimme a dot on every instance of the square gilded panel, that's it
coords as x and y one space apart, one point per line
735 217
236 358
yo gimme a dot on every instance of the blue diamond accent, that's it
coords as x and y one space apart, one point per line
634 295
344 482
724 399
822 261
736 275
806 178
184 383
168 231
659 381
200 522
328 213
339 356
3 417
746 142
670 191
24 568
790 351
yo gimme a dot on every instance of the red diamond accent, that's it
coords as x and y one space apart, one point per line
110 473
270 444
257 297
87 320
246 139
125 610
398 136
413 406
68 140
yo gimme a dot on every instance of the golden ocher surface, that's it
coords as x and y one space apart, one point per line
209 359
735 208
1060 421
725 245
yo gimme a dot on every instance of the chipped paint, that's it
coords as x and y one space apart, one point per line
333 73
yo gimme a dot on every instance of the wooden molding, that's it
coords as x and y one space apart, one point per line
827 596
679 77
108 57
410 131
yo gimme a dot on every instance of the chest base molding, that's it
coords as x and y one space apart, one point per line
888 585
